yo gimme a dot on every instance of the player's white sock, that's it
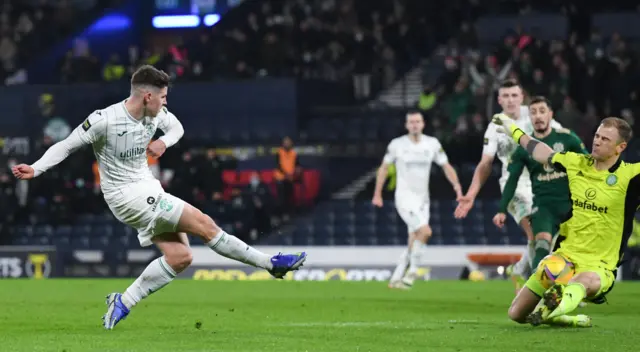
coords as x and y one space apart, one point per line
233 248
403 262
414 256
522 266
154 277
531 246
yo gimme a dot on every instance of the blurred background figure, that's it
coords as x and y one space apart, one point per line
287 174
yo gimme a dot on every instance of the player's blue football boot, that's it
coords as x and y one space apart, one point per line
116 311
284 263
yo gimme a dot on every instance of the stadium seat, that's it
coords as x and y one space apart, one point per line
229 177
267 176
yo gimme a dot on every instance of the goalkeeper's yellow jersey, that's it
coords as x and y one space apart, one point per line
604 205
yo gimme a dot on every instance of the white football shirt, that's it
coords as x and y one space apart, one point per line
119 143
413 166
503 145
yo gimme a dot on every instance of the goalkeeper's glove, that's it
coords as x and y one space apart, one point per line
508 126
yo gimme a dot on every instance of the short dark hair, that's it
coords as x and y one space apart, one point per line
149 75
540 99
413 111
623 127
509 83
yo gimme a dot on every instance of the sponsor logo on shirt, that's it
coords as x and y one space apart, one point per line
592 206
131 153
550 176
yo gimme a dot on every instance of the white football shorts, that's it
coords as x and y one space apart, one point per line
520 206
149 209
414 215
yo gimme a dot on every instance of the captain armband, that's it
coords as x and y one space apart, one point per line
531 146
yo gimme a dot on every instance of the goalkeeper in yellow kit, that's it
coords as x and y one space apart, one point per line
605 193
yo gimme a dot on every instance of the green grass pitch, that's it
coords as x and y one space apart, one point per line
64 315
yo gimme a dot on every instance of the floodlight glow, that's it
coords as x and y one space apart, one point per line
211 19
181 21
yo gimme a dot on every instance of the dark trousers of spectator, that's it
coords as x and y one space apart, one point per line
286 196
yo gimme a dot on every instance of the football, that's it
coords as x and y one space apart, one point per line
555 269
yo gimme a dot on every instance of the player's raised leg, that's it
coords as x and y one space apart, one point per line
194 222
176 256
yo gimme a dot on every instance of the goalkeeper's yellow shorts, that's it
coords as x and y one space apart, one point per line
607 277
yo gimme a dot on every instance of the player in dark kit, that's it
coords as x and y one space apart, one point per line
552 201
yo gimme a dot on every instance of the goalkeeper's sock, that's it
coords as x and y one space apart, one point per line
572 295
542 248
234 248
401 267
155 276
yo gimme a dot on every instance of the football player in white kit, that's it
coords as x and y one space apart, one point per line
120 136
510 98
413 155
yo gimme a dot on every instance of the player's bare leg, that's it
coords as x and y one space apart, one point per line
176 256
526 302
522 305
520 270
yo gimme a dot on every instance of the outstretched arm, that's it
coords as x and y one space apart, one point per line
383 170
381 176
452 176
480 175
539 151
515 170
449 172
173 131
57 153
90 131
172 128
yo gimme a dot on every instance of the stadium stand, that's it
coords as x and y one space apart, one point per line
31 27
460 44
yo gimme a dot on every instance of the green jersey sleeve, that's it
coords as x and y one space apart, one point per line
577 146
516 165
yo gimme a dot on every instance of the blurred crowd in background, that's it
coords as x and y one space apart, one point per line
586 78
368 44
